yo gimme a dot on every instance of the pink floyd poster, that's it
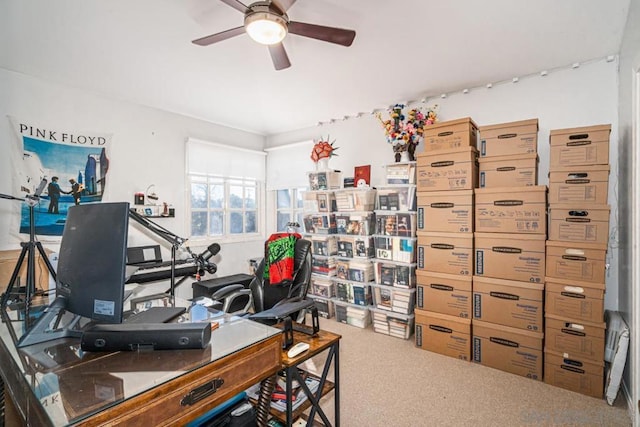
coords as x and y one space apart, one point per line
57 169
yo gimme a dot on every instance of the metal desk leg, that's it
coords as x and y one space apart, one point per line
336 379
1 402
315 399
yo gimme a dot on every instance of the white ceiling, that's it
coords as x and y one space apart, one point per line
141 51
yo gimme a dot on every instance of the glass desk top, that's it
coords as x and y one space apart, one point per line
57 370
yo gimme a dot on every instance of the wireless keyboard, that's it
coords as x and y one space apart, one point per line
155 315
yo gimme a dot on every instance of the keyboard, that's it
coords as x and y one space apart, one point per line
155 315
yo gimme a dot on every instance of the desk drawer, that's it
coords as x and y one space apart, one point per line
165 404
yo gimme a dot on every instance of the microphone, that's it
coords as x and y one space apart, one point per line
212 251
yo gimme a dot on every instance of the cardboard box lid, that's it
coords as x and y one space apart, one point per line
573 324
512 190
461 153
575 283
509 158
510 236
508 329
444 276
423 316
466 236
520 123
444 195
577 245
510 283
584 129
437 127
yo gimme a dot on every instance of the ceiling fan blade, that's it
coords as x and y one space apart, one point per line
236 5
279 56
218 37
283 5
327 34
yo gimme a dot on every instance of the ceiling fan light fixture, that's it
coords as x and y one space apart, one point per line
265 27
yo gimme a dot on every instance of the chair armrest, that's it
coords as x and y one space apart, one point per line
222 293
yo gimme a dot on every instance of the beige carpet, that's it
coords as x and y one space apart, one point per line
387 381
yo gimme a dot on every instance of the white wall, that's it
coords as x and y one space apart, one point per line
587 95
148 147
628 294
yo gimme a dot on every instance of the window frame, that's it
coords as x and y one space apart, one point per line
227 236
294 209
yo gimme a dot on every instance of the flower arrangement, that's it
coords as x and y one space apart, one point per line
405 132
323 149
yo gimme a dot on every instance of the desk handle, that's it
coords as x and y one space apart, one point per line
201 392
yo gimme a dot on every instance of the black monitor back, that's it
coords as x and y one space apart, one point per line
92 261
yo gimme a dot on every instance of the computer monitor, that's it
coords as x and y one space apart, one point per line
91 271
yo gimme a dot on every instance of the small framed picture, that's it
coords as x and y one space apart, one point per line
148 211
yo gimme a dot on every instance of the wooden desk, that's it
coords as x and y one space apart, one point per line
57 384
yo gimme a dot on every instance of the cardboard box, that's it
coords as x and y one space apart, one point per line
579 223
443 334
394 324
509 303
511 210
579 375
517 170
575 339
452 170
508 349
505 139
519 257
450 135
576 261
572 299
444 293
579 184
579 146
450 253
9 262
446 211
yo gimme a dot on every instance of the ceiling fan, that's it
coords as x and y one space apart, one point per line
267 23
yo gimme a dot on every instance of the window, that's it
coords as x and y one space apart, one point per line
288 207
223 206
225 186
287 167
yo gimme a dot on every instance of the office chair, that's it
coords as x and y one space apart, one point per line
261 296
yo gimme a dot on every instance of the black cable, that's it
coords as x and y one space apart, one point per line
264 400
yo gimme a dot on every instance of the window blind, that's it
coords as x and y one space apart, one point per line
288 165
208 158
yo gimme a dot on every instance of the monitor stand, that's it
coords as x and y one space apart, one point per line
48 328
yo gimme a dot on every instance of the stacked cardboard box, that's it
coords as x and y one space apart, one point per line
575 264
447 176
510 233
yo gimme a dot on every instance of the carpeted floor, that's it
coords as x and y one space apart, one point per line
387 381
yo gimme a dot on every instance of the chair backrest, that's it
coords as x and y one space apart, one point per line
266 296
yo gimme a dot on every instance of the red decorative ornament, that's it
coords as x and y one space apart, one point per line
322 150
